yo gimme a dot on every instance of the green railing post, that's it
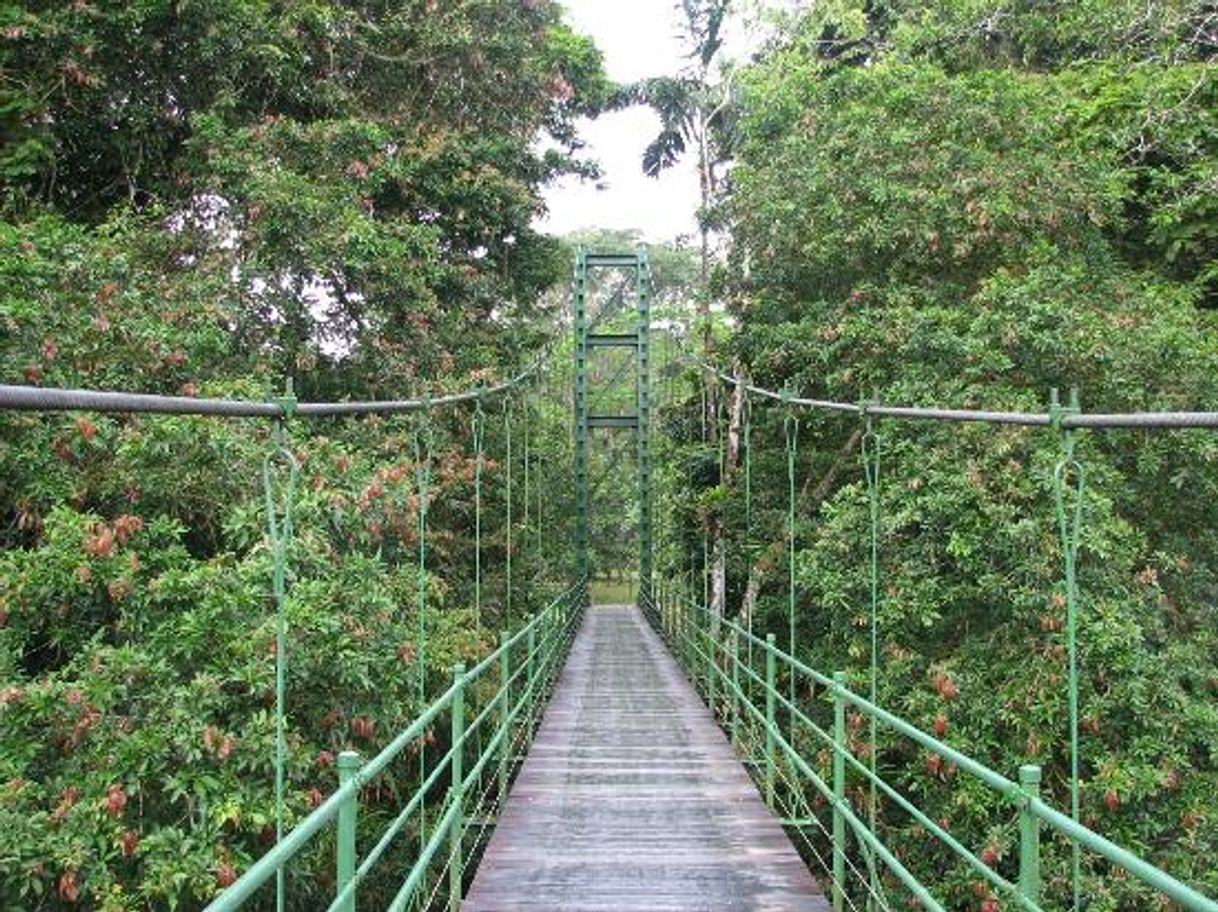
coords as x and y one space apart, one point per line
682 633
348 766
712 679
554 656
562 622
678 642
771 674
546 623
662 588
505 712
692 634
840 746
1029 836
691 644
735 701
531 697
456 789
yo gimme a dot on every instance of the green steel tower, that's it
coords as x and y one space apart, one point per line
585 341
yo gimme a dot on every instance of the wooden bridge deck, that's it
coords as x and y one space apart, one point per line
632 798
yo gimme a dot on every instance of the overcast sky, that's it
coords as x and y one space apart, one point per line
638 39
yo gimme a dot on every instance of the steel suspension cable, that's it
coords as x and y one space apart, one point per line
508 406
35 398
478 430
423 443
870 449
526 409
747 434
706 516
15 397
719 586
1111 420
537 513
279 512
790 426
49 399
721 435
1069 480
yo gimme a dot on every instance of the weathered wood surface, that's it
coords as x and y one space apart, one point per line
632 799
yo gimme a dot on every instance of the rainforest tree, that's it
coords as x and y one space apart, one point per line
209 199
966 204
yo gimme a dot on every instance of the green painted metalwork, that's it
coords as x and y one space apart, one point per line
613 421
507 460
840 748
643 432
422 471
1022 796
526 433
279 516
771 726
1069 474
505 702
705 566
1029 835
456 788
469 706
538 522
579 307
734 693
790 426
531 677
640 421
870 449
348 812
478 431
747 447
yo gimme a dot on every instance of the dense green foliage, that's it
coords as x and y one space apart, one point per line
207 199
953 203
1007 197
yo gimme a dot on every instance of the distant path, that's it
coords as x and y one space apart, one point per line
631 798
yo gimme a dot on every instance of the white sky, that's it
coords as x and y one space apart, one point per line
638 38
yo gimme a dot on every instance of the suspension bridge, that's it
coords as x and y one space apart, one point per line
658 755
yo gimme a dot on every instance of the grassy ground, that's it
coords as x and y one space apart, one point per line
612 592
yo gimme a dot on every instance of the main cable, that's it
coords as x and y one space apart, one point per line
18 398
1165 420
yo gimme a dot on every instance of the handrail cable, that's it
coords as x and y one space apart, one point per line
1187 419
21 398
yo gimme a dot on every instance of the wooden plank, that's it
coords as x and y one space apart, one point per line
632 799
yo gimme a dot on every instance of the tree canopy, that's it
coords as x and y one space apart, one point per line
206 199
963 205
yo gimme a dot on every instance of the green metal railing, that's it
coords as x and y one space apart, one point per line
491 711
768 727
